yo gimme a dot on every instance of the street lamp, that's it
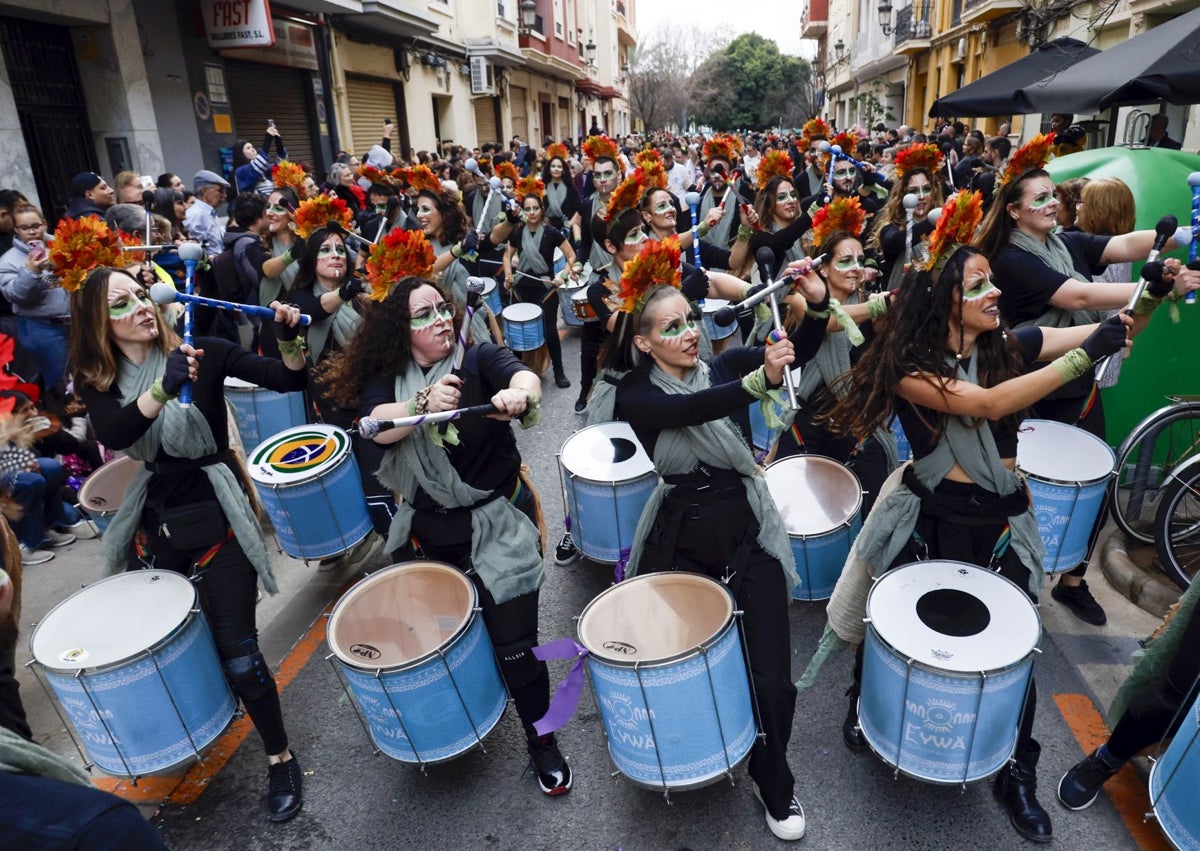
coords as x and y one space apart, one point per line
590 50
839 47
885 17
528 16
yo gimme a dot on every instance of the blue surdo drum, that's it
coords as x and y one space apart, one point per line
491 296
566 305
132 662
261 412
523 330
947 662
717 331
1174 779
669 676
411 644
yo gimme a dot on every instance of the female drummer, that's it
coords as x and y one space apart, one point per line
1046 278
892 235
279 272
463 501
777 211
660 217
529 266
714 515
953 373
186 510
561 199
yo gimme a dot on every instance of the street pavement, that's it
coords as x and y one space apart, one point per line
357 800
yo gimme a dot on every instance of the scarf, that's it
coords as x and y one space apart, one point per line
272 289
19 756
600 259
719 234
183 433
1053 252
454 279
504 543
531 260
341 324
717 443
556 197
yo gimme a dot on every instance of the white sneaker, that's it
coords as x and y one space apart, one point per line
84 530
57 539
790 828
31 557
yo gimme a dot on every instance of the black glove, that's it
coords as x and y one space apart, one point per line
822 305
695 285
1157 282
512 213
284 332
297 249
175 373
350 288
470 242
1107 339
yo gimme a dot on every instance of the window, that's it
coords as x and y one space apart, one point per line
558 18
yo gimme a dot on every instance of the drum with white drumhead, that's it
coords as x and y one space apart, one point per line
261 412
104 490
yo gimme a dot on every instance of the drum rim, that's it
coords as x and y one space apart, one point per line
521 305
1038 477
124 460
464 625
253 465
845 523
946 672
624 427
1155 766
670 661
194 612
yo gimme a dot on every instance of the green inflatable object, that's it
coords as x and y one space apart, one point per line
1165 359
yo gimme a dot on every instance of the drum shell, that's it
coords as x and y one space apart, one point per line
320 516
715 331
491 296
903 446
692 712
262 413
762 437
523 335
582 308
567 308
1174 778
820 559
604 515
101 507
133 706
430 692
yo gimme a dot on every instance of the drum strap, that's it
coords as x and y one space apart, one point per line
1088 405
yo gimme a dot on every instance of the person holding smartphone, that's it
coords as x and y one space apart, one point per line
43 308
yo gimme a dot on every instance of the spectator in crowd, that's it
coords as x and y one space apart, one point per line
1157 136
201 219
9 200
42 307
168 180
127 188
252 172
90 196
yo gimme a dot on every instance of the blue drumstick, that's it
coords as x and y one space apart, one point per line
164 293
190 253
1194 249
693 202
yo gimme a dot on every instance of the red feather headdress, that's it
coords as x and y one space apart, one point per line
840 214
81 245
1032 155
813 128
648 157
918 156
956 226
374 175
531 185
421 179
287 173
401 253
557 150
595 147
656 263
773 164
627 195
847 141
721 147
507 169
316 213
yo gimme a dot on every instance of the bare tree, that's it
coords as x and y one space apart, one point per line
660 80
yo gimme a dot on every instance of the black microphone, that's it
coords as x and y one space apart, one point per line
148 199
765 258
1164 230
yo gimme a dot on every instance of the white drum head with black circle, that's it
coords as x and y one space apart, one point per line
609 452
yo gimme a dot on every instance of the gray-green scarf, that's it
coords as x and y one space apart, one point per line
718 444
1053 252
556 197
531 260
183 433
272 289
342 325
720 234
504 543
20 756
600 259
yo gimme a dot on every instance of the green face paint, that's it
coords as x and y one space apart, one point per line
781 197
663 208
428 316
1042 201
678 326
921 191
847 264
979 288
125 306
335 249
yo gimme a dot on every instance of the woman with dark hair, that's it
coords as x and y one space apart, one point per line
713 514
169 204
946 364
186 508
660 218
169 180
1046 278
890 240
777 211
463 500
287 248
561 198
1069 193
252 166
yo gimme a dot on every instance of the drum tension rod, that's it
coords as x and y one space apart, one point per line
353 703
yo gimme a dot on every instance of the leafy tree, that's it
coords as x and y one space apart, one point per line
751 84
661 74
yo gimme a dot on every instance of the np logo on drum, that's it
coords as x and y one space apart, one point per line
365 651
620 647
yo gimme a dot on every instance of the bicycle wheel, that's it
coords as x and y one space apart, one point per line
1146 460
1177 527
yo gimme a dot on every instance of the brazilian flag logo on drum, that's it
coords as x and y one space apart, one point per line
300 451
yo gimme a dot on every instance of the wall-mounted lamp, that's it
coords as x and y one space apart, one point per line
528 11
885 17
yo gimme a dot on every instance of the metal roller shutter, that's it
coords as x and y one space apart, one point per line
258 92
485 120
370 102
520 111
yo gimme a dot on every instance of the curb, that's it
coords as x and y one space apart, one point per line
1147 589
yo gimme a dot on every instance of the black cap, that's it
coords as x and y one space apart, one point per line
84 182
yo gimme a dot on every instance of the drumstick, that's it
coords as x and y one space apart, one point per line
164 293
190 253
368 427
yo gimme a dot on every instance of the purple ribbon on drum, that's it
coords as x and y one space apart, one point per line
566 696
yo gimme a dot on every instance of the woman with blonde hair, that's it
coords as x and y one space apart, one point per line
1106 208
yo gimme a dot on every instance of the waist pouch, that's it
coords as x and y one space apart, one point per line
193 526
966 504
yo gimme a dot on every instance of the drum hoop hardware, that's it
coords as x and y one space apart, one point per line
87 764
975 727
175 706
759 733
712 693
458 693
908 663
353 703
108 732
662 774
404 727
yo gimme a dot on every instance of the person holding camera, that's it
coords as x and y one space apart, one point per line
43 309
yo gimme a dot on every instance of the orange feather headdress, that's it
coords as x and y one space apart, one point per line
597 147
918 156
507 169
401 253
81 245
648 157
956 227
421 179
557 150
531 185
316 213
721 147
840 214
287 173
627 195
813 128
847 141
656 263
773 164
1034 154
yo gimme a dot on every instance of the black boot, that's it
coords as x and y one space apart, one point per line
1016 785
851 733
286 789
560 376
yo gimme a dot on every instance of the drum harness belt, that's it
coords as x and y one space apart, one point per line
974 512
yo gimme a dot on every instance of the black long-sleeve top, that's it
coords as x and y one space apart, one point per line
118 427
892 242
781 240
650 410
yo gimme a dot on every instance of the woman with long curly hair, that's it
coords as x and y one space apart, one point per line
948 366
455 485
562 198
890 236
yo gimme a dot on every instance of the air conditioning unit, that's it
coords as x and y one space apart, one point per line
482 82
960 50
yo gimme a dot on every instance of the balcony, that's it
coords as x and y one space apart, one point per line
626 31
977 11
815 22
911 33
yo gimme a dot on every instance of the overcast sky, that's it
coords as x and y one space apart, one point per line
774 19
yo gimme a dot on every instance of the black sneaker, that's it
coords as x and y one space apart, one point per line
285 796
560 378
1080 786
1080 601
580 406
566 551
553 773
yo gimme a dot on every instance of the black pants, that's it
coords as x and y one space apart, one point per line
537 294
228 590
512 624
1154 714
869 463
944 539
1069 411
723 540
592 336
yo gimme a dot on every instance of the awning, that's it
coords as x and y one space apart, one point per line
588 86
994 94
1160 65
